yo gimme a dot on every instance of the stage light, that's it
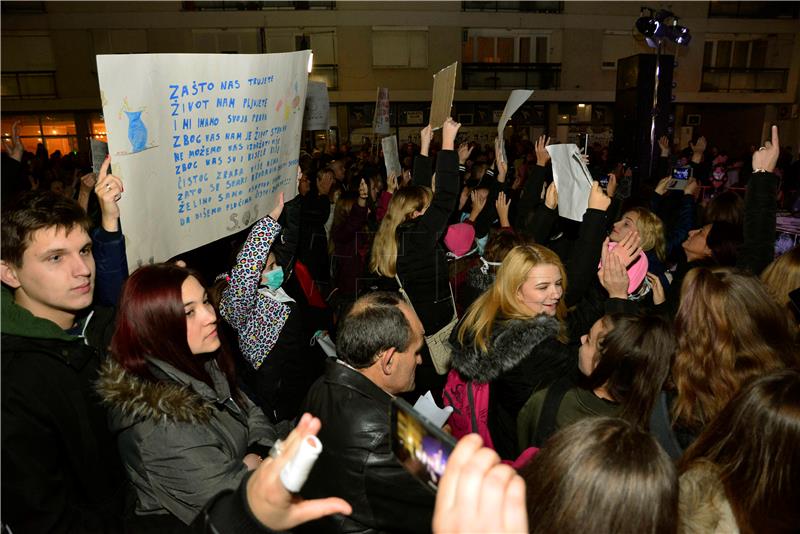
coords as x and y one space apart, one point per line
656 26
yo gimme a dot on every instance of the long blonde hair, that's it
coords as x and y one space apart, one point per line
401 209
500 301
651 231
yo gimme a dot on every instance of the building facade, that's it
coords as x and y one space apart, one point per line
738 74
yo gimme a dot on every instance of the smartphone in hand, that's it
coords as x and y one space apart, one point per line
680 177
419 445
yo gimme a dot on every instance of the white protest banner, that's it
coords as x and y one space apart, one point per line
317 112
204 143
380 120
391 156
444 86
573 180
514 102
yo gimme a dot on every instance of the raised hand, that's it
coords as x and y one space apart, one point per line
464 150
478 494
663 144
598 200
425 138
612 274
502 205
14 146
663 185
542 155
109 190
629 248
551 196
698 148
272 504
391 183
275 214
502 164
611 188
463 197
478 202
692 187
659 296
449 132
766 157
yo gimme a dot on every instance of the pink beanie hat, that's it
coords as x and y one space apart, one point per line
459 238
636 271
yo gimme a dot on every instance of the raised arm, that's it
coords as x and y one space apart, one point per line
239 298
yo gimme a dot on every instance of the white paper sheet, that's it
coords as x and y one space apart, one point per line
573 180
426 406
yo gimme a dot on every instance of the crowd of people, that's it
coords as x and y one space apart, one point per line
635 371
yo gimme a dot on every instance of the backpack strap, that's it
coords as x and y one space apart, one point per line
552 401
661 428
473 418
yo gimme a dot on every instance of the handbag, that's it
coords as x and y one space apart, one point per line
438 343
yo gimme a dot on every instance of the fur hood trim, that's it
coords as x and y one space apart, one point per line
511 342
135 399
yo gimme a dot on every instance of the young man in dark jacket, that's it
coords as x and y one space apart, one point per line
378 345
61 470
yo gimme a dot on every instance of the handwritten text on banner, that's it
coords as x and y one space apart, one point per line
203 143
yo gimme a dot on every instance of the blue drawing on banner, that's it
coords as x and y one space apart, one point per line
137 132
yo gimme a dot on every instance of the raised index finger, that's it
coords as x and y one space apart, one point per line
104 169
775 139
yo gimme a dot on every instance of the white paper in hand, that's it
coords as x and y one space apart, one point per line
426 406
573 180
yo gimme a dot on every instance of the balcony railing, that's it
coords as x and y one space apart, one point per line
511 75
256 6
744 80
29 84
522 7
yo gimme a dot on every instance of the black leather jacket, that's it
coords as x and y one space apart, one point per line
357 463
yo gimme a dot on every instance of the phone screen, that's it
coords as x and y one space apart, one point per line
419 445
680 177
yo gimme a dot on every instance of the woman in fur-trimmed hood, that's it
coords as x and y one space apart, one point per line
185 432
512 338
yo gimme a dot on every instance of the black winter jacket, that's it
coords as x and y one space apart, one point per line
61 470
523 356
357 463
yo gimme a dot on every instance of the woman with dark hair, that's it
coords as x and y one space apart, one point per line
602 475
743 472
624 361
729 331
184 430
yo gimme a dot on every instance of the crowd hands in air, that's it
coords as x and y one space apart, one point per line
628 358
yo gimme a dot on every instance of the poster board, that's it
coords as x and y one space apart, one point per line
380 120
316 115
514 102
391 156
444 86
204 143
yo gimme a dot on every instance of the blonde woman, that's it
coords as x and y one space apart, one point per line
511 338
406 244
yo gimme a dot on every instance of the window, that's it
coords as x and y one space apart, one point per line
54 131
754 10
737 63
399 47
23 7
17 85
244 41
321 42
729 53
499 46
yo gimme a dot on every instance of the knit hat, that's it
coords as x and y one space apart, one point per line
459 238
